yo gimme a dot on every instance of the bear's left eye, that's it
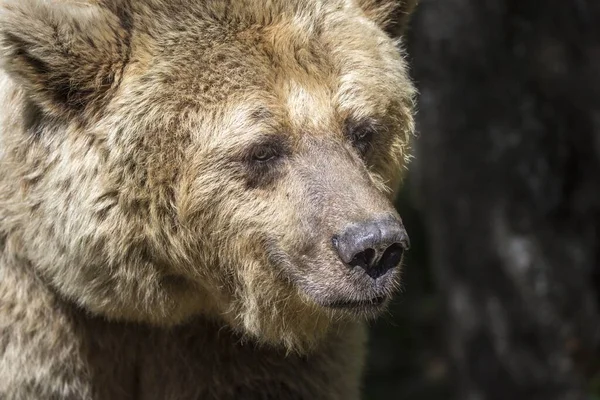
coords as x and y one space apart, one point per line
364 133
361 134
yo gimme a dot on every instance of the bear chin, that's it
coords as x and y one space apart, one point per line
298 316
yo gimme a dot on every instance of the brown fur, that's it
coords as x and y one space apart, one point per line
144 252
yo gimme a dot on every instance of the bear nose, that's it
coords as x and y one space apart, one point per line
375 246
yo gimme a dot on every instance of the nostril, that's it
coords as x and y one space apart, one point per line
363 259
391 256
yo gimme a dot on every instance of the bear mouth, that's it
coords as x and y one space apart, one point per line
373 304
352 293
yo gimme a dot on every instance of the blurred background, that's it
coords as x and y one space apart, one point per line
501 296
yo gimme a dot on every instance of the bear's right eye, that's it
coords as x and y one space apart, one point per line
267 150
264 154
263 161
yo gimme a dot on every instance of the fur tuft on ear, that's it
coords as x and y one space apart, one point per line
67 55
392 15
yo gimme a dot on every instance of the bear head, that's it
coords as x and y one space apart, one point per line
163 160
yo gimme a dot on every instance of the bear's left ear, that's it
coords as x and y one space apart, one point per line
392 16
67 55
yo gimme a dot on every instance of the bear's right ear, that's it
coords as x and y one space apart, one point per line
66 55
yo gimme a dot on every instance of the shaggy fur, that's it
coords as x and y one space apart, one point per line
171 176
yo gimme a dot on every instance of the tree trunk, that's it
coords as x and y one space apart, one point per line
507 175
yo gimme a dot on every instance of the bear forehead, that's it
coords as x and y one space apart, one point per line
304 62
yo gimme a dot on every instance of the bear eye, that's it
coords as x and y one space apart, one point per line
361 134
264 154
263 162
364 133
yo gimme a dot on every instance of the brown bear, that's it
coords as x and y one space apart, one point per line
195 195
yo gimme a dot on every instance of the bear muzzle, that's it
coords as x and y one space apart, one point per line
374 246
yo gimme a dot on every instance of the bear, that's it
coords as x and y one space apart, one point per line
196 197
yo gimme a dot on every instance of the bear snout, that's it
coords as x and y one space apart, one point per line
375 246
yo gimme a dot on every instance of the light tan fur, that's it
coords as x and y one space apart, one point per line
142 255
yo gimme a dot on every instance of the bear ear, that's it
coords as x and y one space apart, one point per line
67 55
392 16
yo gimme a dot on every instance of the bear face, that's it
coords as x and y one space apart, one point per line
225 159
